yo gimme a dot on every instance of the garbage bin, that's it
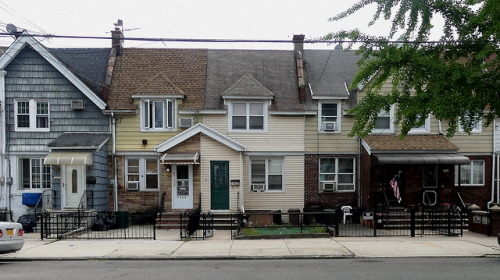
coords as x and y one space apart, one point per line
294 216
277 217
357 213
329 216
122 219
308 218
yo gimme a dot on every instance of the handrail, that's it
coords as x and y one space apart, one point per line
461 201
83 201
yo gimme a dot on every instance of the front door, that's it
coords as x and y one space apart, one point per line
182 186
219 182
74 185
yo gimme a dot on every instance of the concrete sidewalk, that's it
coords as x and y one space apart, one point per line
169 246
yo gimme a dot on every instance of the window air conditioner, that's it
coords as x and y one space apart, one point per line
77 105
133 186
258 187
328 187
329 126
186 122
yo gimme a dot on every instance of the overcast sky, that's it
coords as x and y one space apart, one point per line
192 19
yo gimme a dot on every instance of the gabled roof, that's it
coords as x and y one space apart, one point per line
330 72
274 70
26 40
199 128
182 70
247 87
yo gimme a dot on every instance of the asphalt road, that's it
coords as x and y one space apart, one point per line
352 269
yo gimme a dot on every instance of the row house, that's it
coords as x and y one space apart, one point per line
53 133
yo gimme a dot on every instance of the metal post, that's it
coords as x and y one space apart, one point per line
412 222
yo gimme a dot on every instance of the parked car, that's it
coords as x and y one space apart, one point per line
11 237
498 238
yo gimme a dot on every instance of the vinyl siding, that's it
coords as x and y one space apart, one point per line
316 142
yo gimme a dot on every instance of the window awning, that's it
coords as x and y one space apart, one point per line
180 158
61 158
422 159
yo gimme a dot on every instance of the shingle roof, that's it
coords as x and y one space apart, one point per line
274 70
248 86
379 143
329 70
158 71
89 65
79 140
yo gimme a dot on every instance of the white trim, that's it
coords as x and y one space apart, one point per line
338 121
247 115
330 98
390 130
158 96
425 130
32 116
166 114
25 39
266 160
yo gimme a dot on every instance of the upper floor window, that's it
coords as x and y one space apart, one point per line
266 174
32 115
470 174
423 128
329 117
336 174
383 123
476 125
158 115
248 116
34 175
142 174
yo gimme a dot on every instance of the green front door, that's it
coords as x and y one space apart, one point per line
219 182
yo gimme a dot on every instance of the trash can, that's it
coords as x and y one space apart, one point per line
294 216
277 217
329 216
308 218
122 219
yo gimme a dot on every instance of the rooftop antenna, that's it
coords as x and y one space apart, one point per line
12 29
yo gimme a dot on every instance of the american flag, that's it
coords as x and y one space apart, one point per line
395 187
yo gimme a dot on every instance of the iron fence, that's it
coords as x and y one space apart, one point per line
195 224
97 225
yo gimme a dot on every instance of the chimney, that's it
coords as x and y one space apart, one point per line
117 39
298 47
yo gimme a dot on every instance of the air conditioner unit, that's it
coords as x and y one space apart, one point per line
77 105
186 122
328 187
329 126
258 187
133 186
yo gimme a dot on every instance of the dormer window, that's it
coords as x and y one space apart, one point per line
247 116
329 117
158 115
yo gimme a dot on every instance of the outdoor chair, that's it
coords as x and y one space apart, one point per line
347 213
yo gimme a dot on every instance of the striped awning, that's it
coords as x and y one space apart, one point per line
426 158
170 158
63 158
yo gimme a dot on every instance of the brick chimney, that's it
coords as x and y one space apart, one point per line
298 47
117 41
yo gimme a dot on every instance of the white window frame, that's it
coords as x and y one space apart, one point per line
247 115
148 119
333 177
37 180
425 128
338 117
477 128
142 174
470 175
32 115
267 173
385 114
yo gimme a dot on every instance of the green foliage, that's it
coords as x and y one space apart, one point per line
455 79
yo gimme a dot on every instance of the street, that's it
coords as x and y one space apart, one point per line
353 269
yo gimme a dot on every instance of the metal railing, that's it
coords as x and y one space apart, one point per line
97 225
195 224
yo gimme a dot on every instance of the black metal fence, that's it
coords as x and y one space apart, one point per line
97 225
195 224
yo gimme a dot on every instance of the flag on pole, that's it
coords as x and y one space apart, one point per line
395 187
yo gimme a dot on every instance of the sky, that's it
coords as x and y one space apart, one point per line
191 19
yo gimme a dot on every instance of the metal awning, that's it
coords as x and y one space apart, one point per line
180 158
422 159
61 158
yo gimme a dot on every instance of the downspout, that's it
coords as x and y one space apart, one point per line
494 184
3 126
358 177
115 170
242 189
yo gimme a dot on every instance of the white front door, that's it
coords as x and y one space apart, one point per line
74 184
182 186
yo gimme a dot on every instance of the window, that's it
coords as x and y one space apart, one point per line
424 128
266 174
142 174
383 123
329 117
470 174
430 178
32 115
476 126
158 115
247 116
336 174
34 175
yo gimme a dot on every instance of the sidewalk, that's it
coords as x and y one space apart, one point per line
169 246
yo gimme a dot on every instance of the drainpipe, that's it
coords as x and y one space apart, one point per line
242 189
3 127
115 171
494 181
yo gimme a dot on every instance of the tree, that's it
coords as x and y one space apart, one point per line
455 79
